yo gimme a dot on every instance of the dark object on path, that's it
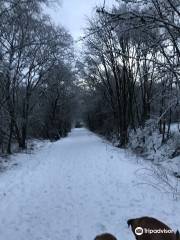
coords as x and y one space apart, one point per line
105 236
177 174
176 153
78 125
159 230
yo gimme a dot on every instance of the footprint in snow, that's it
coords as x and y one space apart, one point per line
101 227
112 212
79 237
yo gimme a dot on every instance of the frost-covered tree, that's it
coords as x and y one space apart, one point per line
30 46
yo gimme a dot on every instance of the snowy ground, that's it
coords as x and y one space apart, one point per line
175 127
77 188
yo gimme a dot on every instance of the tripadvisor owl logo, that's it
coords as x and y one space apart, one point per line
139 231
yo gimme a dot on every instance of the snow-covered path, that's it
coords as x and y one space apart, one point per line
76 188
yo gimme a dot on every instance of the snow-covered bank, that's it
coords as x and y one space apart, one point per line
147 143
76 188
19 155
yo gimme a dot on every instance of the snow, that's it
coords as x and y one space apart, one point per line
175 127
76 188
147 143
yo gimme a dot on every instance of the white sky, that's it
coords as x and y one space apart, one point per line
72 14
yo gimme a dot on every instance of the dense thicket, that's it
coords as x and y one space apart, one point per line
131 67
36 82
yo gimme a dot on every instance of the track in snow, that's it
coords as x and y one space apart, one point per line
76 188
